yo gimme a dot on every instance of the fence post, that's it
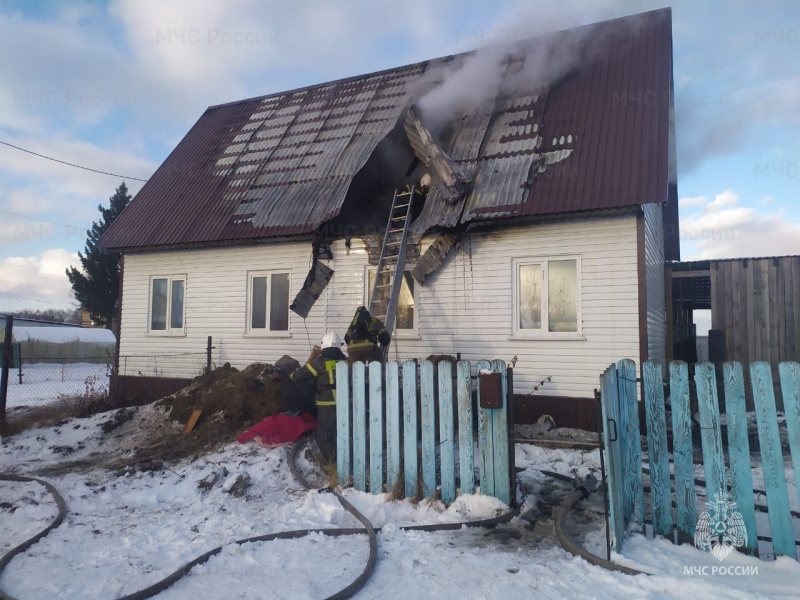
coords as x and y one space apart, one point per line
661 491
209 348
685 494
4 375
780 517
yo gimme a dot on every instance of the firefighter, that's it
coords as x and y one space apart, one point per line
321 371
363 337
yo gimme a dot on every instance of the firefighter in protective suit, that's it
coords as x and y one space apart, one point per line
321 370
363 337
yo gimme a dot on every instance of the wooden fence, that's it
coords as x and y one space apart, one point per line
674 512
408 429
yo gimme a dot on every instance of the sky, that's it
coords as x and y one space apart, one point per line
114 85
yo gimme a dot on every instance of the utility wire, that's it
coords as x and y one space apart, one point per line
68 163
33 299
8 212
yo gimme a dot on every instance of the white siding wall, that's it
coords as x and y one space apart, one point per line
466 307
656 294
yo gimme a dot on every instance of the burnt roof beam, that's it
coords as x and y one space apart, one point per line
452 182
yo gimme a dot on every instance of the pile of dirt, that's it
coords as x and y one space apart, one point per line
233 399
230 401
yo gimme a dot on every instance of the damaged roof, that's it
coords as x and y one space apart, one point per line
597 138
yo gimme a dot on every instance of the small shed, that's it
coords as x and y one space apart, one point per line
55 344
754 303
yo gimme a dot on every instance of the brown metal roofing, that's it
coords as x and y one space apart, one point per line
281 165
597 139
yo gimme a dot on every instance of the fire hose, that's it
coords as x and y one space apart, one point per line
158 587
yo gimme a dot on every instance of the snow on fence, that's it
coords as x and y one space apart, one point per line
735 503
408 429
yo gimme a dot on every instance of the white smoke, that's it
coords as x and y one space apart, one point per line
525 54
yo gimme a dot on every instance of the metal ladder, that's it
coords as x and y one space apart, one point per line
392 262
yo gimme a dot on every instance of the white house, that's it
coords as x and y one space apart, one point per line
567 214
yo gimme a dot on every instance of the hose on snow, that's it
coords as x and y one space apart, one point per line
161 585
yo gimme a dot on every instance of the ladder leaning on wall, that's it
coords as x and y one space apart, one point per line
392 261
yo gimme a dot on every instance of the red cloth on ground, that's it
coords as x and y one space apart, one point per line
279 430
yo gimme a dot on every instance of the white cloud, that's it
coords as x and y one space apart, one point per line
37 282
689 201
723 199
722 228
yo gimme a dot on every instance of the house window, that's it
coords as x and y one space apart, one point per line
405 320
547 295
268 302
167 302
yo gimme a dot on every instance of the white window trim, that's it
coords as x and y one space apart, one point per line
543 333
169 331
266 332
407 334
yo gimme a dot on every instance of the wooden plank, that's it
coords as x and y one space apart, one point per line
772 295
447 447
359 427
661 492
790 352
428 414
739 452
343 402
717 310
708 405
735 342
751 332
758 311
780 519
393 400
193 418
790 386
743 322
502 477
375 427
631 442
613 451
728 295
485 439
795 260
466 451
764 353
751 305
410 431
780 311
682 451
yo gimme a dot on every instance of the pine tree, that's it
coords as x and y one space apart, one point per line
97 286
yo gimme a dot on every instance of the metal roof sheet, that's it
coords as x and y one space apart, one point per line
281 165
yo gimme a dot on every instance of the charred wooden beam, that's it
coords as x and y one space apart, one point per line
434 257
452 182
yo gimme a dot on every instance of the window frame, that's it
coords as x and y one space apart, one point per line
249 331
412 333
543 333
168 331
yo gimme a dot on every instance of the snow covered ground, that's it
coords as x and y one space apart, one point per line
42 383
126 530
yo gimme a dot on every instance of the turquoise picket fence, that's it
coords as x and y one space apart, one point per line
409 428
674 510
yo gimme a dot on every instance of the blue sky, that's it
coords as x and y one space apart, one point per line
115 85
